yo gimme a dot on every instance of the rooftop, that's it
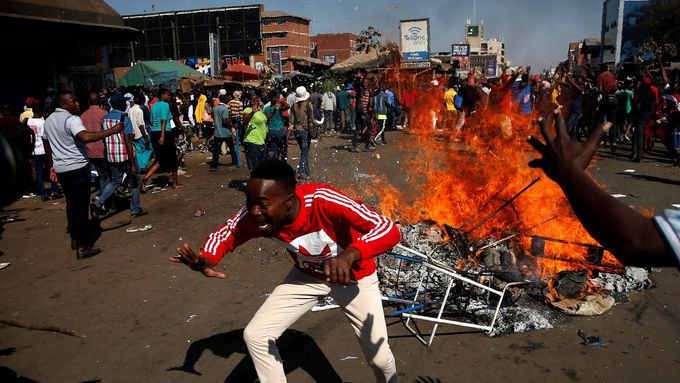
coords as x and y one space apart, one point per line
276 14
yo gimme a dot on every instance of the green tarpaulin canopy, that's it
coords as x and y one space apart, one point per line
153 73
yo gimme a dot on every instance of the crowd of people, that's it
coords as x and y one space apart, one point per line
643 107
128 135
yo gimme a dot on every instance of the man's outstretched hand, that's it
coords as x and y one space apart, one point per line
559 153
195 261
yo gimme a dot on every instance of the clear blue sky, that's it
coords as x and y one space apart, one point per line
536 32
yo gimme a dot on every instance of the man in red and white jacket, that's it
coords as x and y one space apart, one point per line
332 240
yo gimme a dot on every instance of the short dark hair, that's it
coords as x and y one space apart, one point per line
276 170
61 95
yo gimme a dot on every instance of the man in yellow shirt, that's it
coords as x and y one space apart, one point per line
451 114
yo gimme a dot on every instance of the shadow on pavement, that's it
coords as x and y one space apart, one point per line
297 349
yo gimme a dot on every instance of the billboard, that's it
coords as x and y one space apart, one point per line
460 55
490 68
330 58
415 40
472 30
276 60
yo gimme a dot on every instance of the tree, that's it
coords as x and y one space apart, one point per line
659 27
369 39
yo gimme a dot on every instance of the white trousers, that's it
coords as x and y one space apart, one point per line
296 295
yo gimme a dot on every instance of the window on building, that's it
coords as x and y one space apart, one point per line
280 21
269 35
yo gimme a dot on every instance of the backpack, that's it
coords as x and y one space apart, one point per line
458 101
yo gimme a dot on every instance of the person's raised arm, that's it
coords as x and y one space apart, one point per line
84 136
630 236
233 233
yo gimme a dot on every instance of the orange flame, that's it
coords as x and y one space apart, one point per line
448 177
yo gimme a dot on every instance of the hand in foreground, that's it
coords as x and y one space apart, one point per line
161 140
195 261
338 269
560 153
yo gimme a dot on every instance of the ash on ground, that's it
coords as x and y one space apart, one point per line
490 261
635 279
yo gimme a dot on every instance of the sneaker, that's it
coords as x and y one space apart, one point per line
369 148
354 149
86 252
56 195
45 198
213 169
139 213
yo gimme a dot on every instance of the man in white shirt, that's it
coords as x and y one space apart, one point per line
38 156
67 137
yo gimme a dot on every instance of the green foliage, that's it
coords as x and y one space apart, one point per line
659 27
368 39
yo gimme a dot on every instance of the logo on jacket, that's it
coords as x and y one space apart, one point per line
314 246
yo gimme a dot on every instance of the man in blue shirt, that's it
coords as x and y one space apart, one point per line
525 95
223 133
277 142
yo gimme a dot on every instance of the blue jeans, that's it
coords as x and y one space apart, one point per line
217 148
39 168
103 173
302 137
277 144
255 154
117 171
328 122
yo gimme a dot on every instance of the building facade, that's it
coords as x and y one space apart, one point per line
619 29
283 36
68 42
185 34
334 47
487 55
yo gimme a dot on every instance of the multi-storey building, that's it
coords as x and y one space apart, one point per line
334 47
285 36
619 29
491 52
184 34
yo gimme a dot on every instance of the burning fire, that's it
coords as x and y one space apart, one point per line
450 177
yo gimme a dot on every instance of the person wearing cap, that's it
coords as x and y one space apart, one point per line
235 106
302 119
66 136
39 157
29 103
120 157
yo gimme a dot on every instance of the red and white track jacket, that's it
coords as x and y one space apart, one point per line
328 223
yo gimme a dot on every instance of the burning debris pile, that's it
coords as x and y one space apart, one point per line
412 284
